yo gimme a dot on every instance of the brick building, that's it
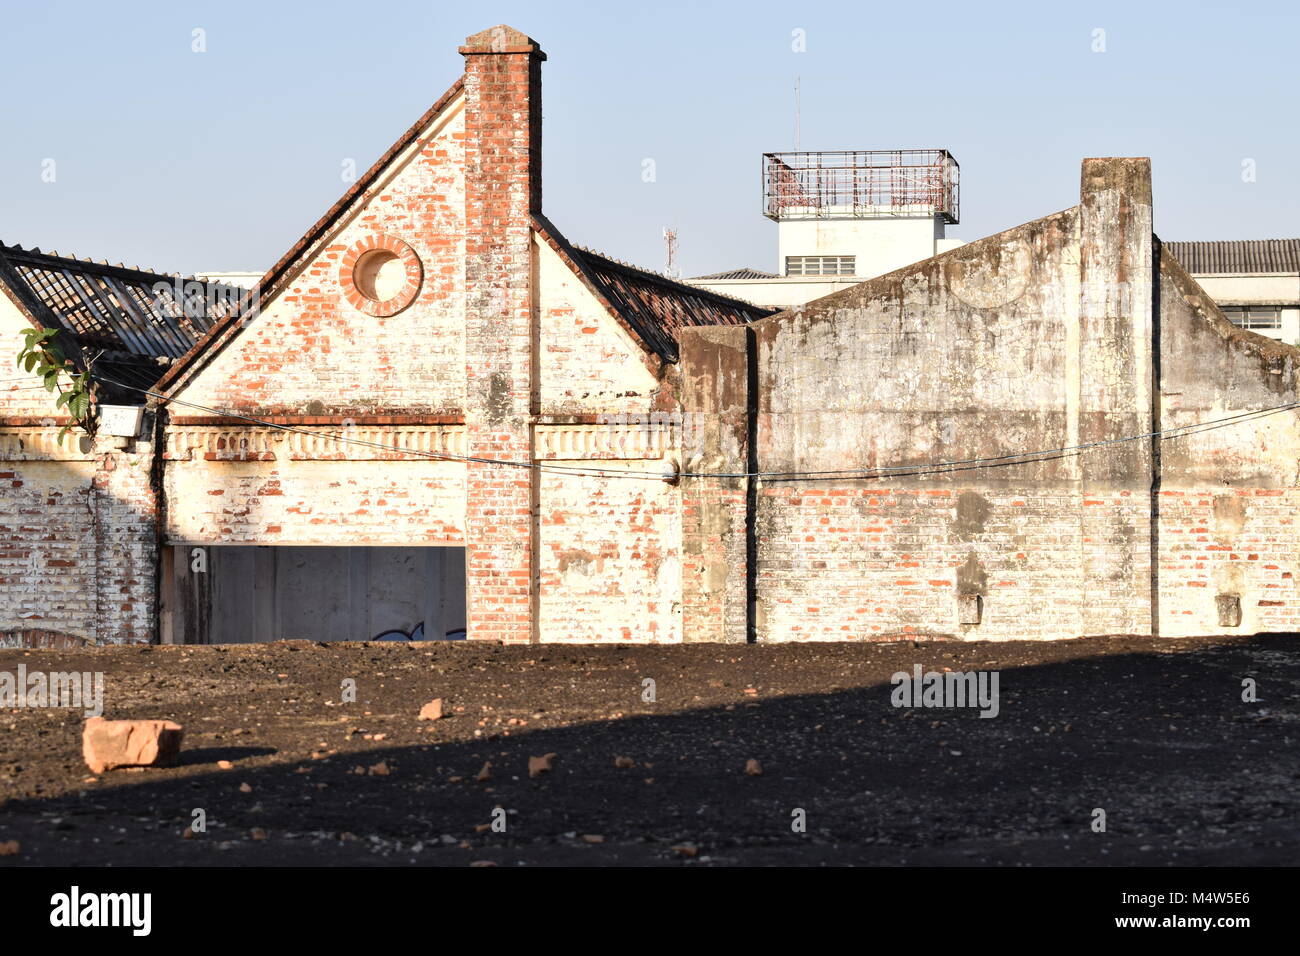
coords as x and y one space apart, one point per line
435 415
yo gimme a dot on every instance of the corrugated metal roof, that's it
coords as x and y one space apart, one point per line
1242 256
132 322
744 272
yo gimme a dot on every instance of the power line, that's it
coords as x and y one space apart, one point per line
882 471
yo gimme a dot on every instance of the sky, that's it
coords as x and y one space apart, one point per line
122 141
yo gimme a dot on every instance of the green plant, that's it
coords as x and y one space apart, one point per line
42 356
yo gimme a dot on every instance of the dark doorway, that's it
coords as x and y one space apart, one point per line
231 594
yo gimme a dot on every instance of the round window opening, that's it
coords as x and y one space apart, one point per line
380 275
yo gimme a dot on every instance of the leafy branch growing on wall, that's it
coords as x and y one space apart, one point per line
42 356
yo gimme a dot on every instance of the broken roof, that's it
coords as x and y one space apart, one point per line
1243 256
129 322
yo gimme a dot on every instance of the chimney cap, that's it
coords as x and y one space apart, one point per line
501 39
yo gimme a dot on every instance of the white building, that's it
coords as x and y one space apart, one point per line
1256 282
843 217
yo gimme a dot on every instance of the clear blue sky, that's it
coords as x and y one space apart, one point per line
182 161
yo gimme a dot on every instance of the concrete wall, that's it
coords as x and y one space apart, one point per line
973 354
1070 337
1228 494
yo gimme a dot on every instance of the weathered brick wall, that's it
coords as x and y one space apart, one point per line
294 489
1031 340
608 548
881 562
610 559
126 543
77 540
714 387
502 191
310 352
77 522
47 546
313 360
1228 501
588 363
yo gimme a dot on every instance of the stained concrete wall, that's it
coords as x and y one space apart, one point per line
1228 501
964 448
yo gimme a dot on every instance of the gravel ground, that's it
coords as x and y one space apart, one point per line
1152 731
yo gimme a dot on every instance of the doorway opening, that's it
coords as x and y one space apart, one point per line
239 594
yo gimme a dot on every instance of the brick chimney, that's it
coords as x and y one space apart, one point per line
503 188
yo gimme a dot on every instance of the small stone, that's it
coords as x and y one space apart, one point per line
592 838
245 788
540 765
224 765
686 849
432 710
379 770
188 834
485 774
257 833
753 767
624 763
482 863
10 849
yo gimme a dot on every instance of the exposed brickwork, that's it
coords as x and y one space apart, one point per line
1241 542
873 562
77 524
609 556
312 352
77 547
1070 329
503 153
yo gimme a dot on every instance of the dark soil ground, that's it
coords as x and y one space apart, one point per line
1155 732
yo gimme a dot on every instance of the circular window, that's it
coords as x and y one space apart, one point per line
380 275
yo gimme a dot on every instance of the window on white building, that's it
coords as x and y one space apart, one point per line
1253 317
820 265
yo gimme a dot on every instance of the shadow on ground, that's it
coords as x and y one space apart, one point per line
1153 732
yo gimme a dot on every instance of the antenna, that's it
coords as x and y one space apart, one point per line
796 114
670 248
